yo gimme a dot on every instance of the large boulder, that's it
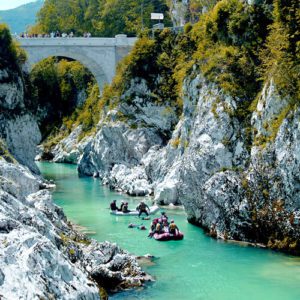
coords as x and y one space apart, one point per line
116 143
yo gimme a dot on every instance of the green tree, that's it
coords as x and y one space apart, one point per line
56 85
11 55
281 55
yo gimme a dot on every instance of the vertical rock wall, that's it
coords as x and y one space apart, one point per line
18 126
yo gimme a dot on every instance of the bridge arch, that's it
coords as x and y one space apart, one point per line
94 67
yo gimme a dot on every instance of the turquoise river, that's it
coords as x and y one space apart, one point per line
195 268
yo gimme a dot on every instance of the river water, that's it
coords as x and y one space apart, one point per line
195 268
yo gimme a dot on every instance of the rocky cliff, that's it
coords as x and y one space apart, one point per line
229 181
42 256
236 178
18 126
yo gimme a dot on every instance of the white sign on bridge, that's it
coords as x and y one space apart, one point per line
157 16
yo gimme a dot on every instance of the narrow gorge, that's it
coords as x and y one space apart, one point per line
194 127
203 116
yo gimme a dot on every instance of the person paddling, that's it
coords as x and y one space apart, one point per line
173 229
125 208
158 229
164 215
153 227
142 208
122 204
113 206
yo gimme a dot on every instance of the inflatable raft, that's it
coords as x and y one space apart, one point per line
166 236
153 210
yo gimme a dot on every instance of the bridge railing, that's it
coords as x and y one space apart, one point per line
119 40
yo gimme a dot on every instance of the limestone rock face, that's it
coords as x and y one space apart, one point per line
206 140
142 110
69 150
18 126
18 181
22 134
127 136
139 112
43 257
33 266
213 142
11 91
116 152
287 158
132 181
232 187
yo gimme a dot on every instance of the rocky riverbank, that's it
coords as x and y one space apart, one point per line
43 257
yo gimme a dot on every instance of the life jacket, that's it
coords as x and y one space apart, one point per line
172 226
158 227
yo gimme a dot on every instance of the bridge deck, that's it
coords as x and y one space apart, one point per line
84 42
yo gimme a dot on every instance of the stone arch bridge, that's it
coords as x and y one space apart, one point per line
99 55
